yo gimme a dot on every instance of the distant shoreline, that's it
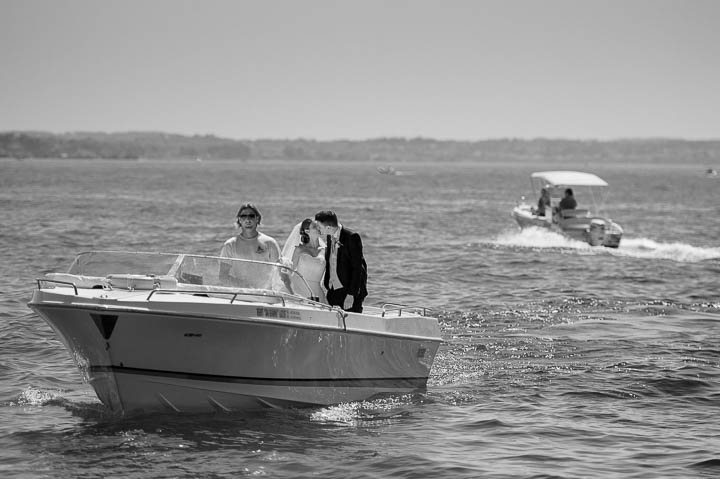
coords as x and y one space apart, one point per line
156 145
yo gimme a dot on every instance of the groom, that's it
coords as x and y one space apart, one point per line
345 267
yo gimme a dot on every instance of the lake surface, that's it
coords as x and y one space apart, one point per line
558 360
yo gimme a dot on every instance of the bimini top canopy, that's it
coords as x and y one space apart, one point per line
568 178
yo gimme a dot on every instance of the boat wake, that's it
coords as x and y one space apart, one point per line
33 396
540 238
82 403
683 253
375 411
644 248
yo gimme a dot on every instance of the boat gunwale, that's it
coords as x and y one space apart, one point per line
275 322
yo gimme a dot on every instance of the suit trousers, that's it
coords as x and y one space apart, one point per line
336 297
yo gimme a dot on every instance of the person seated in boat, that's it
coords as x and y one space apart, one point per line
306 251
248 244
568 202
543 202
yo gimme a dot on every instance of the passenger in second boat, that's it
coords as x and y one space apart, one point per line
568 202
543 202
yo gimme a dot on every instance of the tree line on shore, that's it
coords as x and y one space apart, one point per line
157 145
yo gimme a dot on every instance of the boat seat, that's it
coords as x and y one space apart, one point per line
80 281
574 213
141 281
244 294
575 225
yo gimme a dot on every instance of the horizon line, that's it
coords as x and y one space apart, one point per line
375 138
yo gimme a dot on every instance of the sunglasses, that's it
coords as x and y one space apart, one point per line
247 216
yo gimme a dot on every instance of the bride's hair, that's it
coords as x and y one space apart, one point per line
304 237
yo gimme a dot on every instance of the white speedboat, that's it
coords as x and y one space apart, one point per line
584 224
154 331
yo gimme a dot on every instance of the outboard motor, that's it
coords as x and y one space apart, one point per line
613 234
596 232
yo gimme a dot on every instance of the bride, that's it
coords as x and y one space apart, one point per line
307 253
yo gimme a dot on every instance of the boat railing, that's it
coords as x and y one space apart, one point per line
233 294
399 308
67 283
283 297
269 294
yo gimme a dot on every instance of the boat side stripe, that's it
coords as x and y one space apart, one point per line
395 382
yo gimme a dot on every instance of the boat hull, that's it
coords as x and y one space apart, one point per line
197 353
596 231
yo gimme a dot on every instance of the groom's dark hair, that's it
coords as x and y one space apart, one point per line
327 217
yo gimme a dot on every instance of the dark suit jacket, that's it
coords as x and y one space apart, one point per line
351 266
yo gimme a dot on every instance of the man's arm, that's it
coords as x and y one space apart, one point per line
356 259
274 252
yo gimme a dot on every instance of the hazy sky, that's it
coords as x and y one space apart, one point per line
332 69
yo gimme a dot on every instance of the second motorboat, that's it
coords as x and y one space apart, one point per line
584 224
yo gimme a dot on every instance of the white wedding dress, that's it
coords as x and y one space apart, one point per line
312 268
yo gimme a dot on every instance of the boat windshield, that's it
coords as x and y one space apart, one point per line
190 270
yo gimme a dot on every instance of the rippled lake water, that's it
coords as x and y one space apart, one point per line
558 359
